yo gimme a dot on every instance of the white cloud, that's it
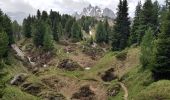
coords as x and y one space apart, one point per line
63 6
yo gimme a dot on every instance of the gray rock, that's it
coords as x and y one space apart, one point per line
18 79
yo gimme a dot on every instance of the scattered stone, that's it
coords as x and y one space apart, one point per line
85 93
18 79
44 65
32 88
108 75
114 90
69 65
87 68
35 70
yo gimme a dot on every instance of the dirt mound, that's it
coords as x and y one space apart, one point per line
50 95
40 57
54 83
113 91
85 93
32 88
108 75
94 53
70 65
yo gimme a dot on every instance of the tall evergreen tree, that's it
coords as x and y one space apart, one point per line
7 26
38 31
107 30
60 30
4 41
48 39
76 33
147 49
122 27
161 68
55 33
68 27
156 13
101 34
135 26
44 16
148 18
38 14
16 29
27 27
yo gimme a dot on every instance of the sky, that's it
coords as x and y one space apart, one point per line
19 9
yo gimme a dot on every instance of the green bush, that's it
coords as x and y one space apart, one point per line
157 91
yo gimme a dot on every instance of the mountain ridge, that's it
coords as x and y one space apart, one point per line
95 11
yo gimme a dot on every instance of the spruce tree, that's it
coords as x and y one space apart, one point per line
16 29
38 14
76 33
107 30
101 34
44 16
55 33
122 27
60 30
161 64
68 27
7 26
156 13
147 49
48 39
4 41
38 31
27 27
136 24
148 18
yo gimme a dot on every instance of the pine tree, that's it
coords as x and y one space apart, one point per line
147 49
76 33
107 29
122 27
7 26
38 31
101 34
4 41
156 13
16 29
68 27
44 16
136 24
27 27
147 19
161 69
60 30
55 33
38 14
48 39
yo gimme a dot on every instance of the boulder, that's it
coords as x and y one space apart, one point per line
18 79
70 65
108 75
32 88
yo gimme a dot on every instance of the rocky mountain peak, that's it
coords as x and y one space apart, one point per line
95 11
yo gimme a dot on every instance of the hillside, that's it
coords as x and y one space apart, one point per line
55 56
51 79
52 82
